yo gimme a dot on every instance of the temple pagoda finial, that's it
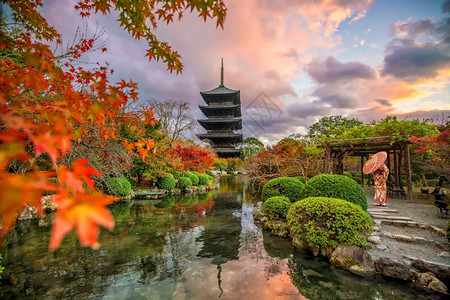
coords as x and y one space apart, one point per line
221 74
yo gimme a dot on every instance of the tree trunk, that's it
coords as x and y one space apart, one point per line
425 183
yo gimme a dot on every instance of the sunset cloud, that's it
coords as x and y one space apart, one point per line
299 53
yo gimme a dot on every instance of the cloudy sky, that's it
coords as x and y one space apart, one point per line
294 61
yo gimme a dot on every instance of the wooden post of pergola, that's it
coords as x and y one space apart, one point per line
337 150
362 173
408 172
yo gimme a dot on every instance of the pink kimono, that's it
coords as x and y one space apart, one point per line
379 177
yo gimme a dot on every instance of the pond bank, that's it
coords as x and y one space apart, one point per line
408 243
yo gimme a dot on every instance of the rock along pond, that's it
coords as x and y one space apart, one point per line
203 246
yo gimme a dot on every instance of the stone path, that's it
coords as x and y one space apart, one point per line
405 248
387 216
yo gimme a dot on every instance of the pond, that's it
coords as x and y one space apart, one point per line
203 246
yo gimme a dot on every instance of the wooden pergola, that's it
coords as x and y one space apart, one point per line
396 147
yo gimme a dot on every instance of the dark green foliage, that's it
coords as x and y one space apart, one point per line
177 174
230 172
276 207
203 179
194 178
335 186
210 172
132 182
357 179
118 186
167 182
415 177
240 172
183 182
283 186
348 174
324 223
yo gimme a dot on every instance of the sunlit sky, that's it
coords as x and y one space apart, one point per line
300 60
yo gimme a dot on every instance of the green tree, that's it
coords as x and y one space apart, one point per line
250 147
391 126
331 127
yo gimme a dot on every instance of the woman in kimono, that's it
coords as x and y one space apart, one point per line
379 177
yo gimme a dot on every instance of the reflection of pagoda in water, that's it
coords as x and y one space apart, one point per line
223 112
221 237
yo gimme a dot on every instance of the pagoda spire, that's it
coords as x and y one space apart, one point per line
221 75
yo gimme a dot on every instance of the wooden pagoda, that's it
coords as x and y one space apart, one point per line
223 112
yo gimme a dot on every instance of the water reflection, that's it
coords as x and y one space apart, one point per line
203 246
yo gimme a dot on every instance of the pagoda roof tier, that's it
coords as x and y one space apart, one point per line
221 94
219 137
227 152
221 124
221 110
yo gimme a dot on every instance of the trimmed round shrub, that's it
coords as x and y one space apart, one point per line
335 186
167 182
210 172
230 172
276 207
300 178
118 186
240 173
176 174
194 178
195 172
283 186
132 182
184 182
203 179
324 223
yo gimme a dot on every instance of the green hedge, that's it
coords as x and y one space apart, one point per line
276 207
283 186
184 182
203 179
177 174
348 174
357 179
324 223
300 178
210 172
335 186
194 178
167 182
230 172
132 182
118 186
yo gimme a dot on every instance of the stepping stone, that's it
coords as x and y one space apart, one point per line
374 239
403 238
383 210
394 218
420 240
378 213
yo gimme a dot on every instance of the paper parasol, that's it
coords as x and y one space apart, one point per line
374 162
